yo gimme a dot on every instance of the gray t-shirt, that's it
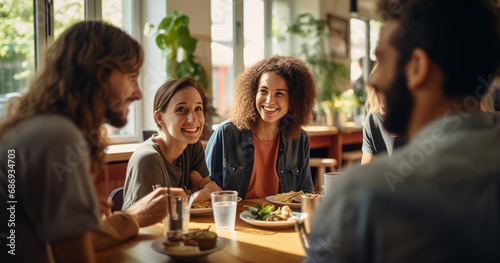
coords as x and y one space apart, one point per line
434 200
376 139
54 196
147 167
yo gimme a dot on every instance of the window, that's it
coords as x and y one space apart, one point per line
359 44
120 14
243 33
67 13
17 48
281 18
253 31
20 51
222 55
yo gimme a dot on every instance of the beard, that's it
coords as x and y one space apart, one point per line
399 104
116 112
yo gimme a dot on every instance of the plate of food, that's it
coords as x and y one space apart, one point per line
291 199
268 216
203 207
195 244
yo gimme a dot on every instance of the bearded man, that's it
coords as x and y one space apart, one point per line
435 199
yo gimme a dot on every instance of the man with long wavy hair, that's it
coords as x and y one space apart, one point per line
52 141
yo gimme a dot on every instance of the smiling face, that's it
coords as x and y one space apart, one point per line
272 98
183 119
390 83
124 89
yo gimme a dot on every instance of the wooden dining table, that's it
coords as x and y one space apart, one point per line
247 243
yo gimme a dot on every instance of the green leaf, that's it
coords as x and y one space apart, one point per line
254 209
189 44
165 23
185 69
173 33
160 42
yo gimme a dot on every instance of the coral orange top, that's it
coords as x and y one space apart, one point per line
264 180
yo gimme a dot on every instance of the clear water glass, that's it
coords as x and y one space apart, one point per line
224 206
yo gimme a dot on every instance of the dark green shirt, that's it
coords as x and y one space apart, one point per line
147 167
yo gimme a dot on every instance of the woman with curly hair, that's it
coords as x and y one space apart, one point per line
262 150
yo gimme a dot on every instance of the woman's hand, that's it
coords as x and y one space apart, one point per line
105 206
206 191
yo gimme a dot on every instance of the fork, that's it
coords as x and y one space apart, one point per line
191 199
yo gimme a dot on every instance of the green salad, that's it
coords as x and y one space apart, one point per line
262 212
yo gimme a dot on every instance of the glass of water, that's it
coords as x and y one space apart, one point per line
224 206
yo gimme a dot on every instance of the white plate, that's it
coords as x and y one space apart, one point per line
204 211
249 218
293 206
159 247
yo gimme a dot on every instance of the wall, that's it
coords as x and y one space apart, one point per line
341 9
153 11
154 69
320 9
199 13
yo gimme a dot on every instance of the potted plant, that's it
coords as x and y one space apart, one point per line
173 37
327 71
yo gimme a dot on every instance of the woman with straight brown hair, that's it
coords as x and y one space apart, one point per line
174 156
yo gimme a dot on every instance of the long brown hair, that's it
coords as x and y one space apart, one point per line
372 104
301 88
72 81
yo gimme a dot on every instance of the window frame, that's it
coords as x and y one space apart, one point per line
44 37
238 33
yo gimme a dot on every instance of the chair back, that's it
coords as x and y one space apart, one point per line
146 134
116 196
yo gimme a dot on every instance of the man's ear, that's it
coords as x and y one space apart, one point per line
417 68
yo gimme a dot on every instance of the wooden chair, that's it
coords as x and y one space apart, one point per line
351 156
321 164
117 197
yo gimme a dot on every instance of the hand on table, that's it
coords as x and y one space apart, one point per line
152 208
105 206
206 191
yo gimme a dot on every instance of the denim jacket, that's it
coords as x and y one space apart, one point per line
230 156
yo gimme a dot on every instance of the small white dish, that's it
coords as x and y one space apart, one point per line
158 246
293 206
249 218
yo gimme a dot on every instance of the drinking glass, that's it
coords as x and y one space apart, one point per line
177 216
224 206
330 179
309 204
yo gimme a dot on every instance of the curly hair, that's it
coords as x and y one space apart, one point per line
301 89
72 81
166 91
